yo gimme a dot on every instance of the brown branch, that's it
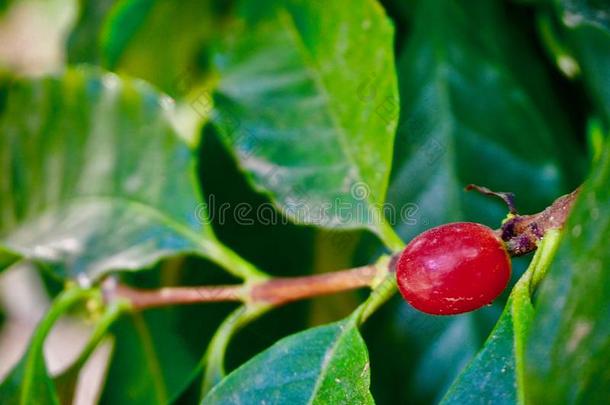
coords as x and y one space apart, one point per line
276 291
522 232
282 290
142 299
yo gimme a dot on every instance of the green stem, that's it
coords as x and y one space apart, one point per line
383 289
110 315
60 305
390 238
66 381
234 263
215 353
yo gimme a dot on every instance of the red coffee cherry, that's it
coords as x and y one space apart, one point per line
453 268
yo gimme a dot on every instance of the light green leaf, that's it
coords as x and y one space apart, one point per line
568 349
307 100
95 178
29 382
323 365
7 258
160 41
476 108
497 372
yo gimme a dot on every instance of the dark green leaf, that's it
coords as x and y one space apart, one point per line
250 233
7 258
4 5
496 374
307 100
473 95
96 179
168 343
476 108
83 44
217 348
142 371
587 23
324 365
419 355
491 375
422 354
568 349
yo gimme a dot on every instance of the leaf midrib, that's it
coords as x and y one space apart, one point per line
288 22
328 357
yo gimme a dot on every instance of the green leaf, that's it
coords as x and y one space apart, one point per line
7 258
476 107
587 26
252 232
83 43
159 41
324 365
142 371
217 348
96 179
158 353
29 382
4 5
496 374
418 356
568 349
302 99
491 375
